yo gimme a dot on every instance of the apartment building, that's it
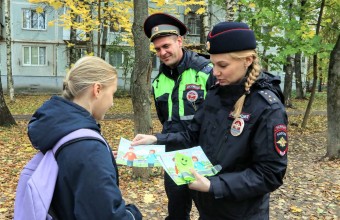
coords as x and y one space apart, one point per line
39 52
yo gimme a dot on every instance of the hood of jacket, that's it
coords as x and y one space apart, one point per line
56 118
190 59
264 81
270 82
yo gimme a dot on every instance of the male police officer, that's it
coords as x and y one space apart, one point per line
179 89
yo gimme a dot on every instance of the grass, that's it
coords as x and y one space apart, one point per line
305 178
27 104
319 103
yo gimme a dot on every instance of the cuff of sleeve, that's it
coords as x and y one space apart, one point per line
161 138
216 187
133 217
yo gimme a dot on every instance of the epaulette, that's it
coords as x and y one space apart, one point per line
269 96
207 69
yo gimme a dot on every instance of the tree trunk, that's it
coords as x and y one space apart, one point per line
104 37
287 90
298 77
229 9
89 42
297 62
89 35
320 80
333 104
265 61
205 26
308 89
73 41
99 29
10 84
315 70
313 89
140 78
6 118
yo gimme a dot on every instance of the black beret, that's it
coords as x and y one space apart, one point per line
161 24
228 37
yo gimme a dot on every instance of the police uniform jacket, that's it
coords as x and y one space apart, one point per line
253 163
179 92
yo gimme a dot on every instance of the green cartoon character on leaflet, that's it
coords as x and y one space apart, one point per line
184 163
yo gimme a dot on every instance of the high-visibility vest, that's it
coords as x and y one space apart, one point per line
191 91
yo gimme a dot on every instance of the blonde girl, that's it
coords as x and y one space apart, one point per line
87 186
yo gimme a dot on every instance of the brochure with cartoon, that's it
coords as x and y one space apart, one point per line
138 156
178 164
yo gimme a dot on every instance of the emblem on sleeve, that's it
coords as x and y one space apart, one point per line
281 139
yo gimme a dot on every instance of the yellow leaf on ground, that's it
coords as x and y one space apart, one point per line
133 195
3 209
295 209
148 198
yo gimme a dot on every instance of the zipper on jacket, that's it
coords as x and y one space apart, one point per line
157 81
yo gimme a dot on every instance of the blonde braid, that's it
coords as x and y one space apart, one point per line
254 73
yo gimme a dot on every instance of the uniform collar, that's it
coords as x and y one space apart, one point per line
231 93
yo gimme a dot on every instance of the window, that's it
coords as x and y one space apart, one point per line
194 24
33 20
34 56
116 59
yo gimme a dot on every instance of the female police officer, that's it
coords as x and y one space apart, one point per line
242 126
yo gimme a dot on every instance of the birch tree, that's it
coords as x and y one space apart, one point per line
10 84
6 118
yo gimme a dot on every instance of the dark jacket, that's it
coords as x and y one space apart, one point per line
87 184
192 64
253 163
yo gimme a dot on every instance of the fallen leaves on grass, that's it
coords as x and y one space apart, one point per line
311 188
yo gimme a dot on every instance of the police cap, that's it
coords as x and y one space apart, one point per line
228 37
161 24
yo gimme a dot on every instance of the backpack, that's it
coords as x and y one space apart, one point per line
38 178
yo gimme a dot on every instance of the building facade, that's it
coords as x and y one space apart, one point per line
40 56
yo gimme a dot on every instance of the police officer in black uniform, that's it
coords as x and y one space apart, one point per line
241 126
179 89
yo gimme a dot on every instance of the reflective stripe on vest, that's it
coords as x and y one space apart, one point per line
161 86
164 85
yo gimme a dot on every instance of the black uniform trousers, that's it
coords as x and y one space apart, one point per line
179 199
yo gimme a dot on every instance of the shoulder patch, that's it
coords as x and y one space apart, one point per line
281 139
269 96
207 69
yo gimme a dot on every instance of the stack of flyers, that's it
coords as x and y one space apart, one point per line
178 163
138 156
